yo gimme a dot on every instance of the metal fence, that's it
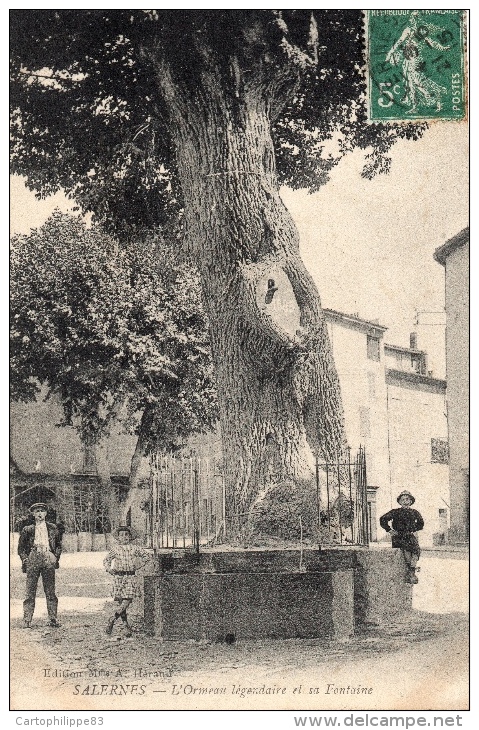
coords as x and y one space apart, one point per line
187 502
79 507
342 500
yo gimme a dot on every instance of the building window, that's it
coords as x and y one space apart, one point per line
418 363
364 426
439 451
372 385
373 348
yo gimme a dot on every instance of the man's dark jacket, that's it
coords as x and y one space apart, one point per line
27 539
404 520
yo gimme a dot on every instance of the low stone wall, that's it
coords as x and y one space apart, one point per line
223 596
380 590
226 607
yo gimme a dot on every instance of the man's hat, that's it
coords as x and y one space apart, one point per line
124 528
405 493
39 505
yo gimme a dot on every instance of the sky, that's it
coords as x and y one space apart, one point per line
368 244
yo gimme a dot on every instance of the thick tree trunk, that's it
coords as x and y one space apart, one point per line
278 391
136 464
110 496
135 495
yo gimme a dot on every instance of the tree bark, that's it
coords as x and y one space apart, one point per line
136 462
133 497
110 496
278 390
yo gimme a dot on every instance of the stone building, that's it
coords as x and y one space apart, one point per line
396 409
48 462
454 256
417 437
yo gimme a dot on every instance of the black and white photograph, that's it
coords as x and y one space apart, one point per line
239 361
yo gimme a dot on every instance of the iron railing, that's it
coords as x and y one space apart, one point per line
187 506
342 500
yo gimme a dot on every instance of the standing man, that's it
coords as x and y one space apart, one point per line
39 548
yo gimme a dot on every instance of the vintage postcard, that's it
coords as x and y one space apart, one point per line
416 64
239 449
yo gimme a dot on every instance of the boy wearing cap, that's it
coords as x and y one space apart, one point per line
122 563
404 523
39 548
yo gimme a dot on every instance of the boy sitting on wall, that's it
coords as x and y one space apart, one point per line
404 523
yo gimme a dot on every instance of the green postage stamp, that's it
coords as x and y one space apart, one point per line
415 62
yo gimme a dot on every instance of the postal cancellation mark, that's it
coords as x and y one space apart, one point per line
415 64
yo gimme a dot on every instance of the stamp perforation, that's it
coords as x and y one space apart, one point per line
415 65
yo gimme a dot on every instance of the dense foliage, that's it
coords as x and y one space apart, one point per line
87 116
115 331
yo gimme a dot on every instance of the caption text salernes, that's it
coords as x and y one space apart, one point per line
64 721
378 721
